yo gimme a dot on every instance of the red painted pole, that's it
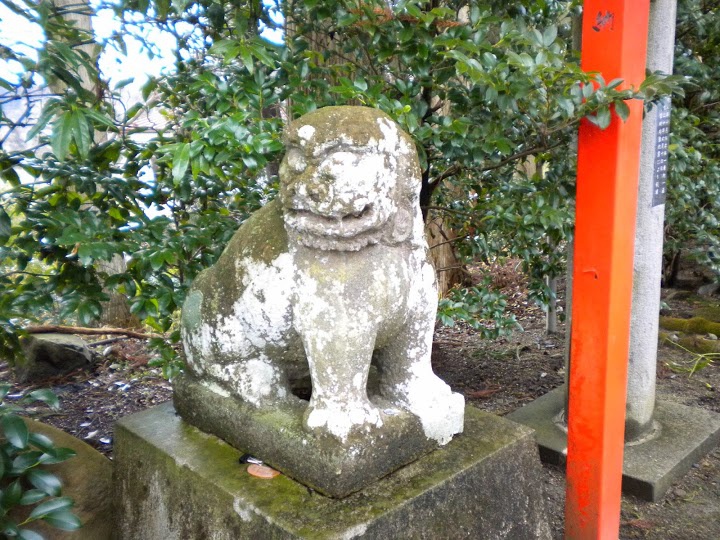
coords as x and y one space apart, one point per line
614 44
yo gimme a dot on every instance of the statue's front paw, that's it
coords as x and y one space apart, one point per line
340 419
440 410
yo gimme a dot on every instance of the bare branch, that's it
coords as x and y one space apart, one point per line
58 329
519 155
19 273
449 211
450 241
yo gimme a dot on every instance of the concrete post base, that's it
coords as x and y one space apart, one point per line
683 435
174 482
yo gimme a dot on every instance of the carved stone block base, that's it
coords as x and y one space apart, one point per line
175 482
277 437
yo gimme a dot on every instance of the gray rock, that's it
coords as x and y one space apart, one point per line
49 355
711 289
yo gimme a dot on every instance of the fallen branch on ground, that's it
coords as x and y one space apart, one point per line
57 329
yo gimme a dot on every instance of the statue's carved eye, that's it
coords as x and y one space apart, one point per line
296 161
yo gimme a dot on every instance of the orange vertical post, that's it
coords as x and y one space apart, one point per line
614 44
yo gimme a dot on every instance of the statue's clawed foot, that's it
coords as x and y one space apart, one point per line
428 397
341 418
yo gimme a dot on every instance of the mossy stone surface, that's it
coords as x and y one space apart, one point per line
711 312
278 437
696 325
175 482
262 237
699 345
50 355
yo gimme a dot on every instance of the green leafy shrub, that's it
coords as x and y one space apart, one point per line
27 489
693 204
484 90
480 307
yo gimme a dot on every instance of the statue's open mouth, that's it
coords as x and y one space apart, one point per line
307 214
338 226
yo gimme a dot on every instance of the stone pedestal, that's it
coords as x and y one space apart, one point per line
681 436
173 481
278 438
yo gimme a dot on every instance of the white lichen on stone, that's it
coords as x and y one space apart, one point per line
215 387
241 509
341 418
306 132
354 532
440 410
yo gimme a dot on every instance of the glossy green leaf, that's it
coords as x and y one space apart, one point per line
247 58
622 110
123 83
45 481
27 534
51 506
62 519
5 232
9 529
46 396
10 175
11 495
57 455
46 116
549 35
16 432
25 461
99 117
81 133
62 135
149 87
32 496
181 160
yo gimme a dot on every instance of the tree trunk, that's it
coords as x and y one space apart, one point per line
551 316
672 268
448 268
116 311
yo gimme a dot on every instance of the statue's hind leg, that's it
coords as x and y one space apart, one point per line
255 381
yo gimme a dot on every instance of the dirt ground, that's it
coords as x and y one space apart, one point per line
497 376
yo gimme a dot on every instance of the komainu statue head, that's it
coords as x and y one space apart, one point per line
350 178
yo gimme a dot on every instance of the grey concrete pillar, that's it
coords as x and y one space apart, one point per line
648 241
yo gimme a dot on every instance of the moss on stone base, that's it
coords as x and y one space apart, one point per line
277 436
711 312
174 482
699 345
696 325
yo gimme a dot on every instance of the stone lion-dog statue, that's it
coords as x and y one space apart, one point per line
332 277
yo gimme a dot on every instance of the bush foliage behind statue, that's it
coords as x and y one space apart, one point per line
491 96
